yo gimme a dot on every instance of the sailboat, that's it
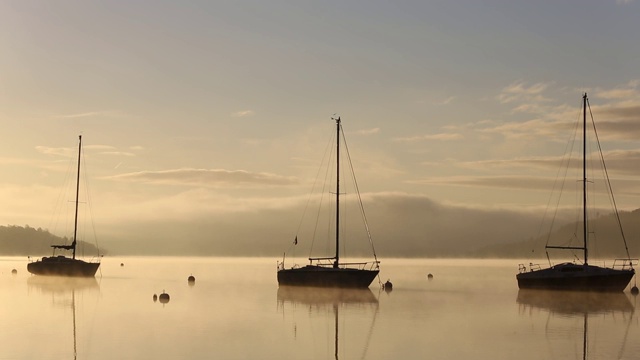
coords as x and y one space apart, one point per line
330 271
584 276
61 265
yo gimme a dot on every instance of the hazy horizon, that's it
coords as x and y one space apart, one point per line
208 120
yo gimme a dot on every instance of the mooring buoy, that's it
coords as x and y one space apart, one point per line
430 276
387 286
191 279
634 290
14 271
155 297
164 297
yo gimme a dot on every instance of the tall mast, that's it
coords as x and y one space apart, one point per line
584 177
75 224
335 264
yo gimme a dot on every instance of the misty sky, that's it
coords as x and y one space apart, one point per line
206 113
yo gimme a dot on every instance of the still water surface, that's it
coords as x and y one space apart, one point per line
471 309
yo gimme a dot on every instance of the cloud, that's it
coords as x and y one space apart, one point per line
72 152
207 178
90 114
368 131
59 151
439 137
519 91
446 101
626 91
503 182
117 153
79 115
243 113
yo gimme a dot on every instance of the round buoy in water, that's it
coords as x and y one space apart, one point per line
155 297
388 286
634 290
164 297
14 271
430 276
191 279
121 264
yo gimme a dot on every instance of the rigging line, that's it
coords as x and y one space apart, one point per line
564 164
355 182
615 207
89 201
324 187
343 213
368 341
311 193
58 208
313 187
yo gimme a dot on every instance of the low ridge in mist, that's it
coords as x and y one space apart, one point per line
28 241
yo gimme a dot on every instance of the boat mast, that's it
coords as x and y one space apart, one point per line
584 177
335 264
75 224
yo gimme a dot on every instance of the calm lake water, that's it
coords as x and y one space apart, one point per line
471 309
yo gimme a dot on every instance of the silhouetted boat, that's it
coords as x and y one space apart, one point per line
582 277
329 271
61 265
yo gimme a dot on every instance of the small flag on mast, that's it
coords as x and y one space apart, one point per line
295 242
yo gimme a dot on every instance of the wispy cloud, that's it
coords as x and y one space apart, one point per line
368 131
520 90
79 115
624 92
446 101
207 178
243 113
71 152
438 137
91 114
117 153
58 151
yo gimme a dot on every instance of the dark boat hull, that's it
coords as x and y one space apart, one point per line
63 266
319 276
574 277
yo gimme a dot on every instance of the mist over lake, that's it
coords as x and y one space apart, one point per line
235 310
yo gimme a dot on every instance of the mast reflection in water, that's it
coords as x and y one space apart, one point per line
564 308
356 306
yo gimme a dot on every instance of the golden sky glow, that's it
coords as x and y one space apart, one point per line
196 114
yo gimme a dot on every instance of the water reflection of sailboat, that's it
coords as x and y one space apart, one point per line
333 299
571 304
58 286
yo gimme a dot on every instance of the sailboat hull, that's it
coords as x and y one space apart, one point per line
320 276
575 277
63 266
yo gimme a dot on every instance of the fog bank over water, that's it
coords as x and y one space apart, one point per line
401 226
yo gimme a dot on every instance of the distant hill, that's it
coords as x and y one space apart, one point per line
606 242
28 241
